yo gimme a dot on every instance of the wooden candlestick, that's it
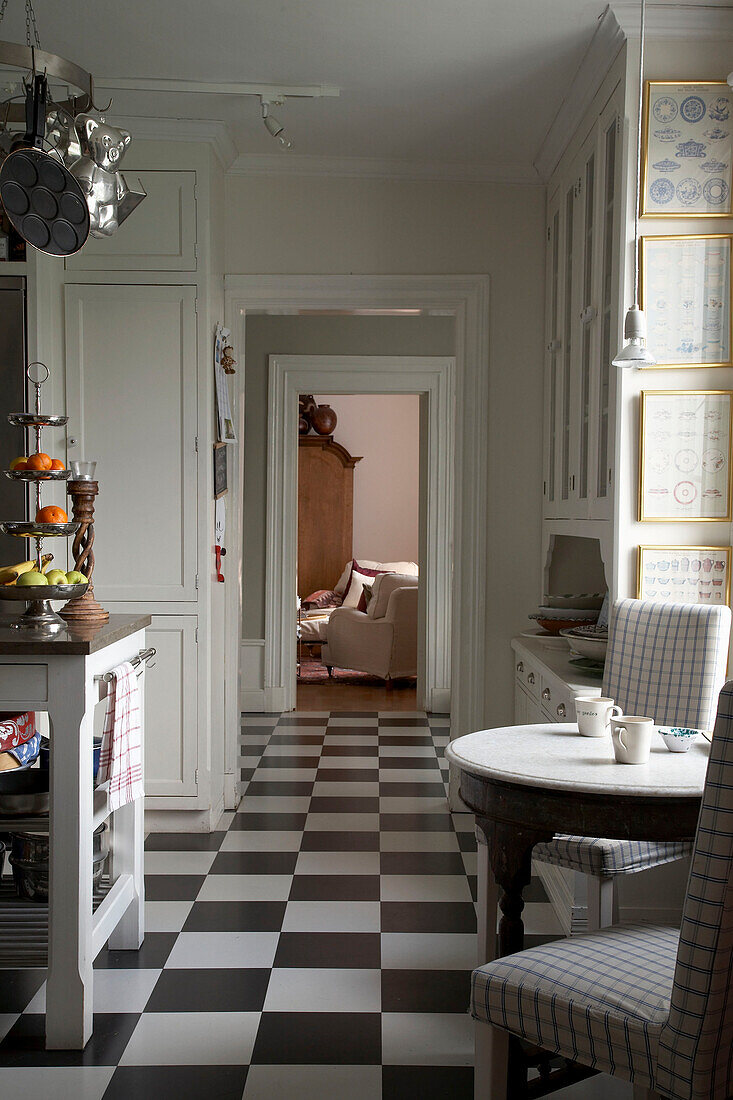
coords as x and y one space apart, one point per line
84 608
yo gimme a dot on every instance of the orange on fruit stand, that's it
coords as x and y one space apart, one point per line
39 461
51 514
20 463
57 464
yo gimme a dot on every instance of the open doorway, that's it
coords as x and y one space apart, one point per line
359 540
433 379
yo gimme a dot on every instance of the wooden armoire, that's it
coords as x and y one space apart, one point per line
325 511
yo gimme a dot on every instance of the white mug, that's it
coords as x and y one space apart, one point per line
632 738
594 714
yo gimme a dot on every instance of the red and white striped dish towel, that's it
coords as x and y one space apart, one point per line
120 759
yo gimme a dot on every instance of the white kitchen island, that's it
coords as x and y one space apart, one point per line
63 676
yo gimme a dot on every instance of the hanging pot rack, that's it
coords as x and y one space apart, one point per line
34 60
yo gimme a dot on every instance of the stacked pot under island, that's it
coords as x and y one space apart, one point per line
24 805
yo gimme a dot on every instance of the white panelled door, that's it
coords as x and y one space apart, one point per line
131 383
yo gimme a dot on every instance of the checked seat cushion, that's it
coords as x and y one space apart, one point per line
601 999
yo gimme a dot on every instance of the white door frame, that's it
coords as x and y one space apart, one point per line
433 379
467 298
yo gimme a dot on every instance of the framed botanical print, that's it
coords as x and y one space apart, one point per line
684 574
688 147
684 455
686 295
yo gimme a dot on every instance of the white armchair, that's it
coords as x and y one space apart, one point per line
382 640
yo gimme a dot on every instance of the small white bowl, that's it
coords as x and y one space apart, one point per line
678 738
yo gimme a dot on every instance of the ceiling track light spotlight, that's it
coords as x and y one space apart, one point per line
273 125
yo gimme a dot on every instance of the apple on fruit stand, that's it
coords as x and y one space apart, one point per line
31 578
75 577
56 576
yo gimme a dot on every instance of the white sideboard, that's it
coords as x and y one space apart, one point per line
546 684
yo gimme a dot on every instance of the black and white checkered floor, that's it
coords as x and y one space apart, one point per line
318 945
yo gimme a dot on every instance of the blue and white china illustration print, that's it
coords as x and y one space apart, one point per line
689 127
685 468
684 574
685 285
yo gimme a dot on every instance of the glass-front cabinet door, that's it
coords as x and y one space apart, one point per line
552 356
587 315
560 389
582 322
608 303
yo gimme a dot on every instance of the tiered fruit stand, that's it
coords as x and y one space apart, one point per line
39 615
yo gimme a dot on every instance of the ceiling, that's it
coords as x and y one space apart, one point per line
469 82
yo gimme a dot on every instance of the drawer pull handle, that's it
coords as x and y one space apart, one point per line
520 666
561 712
547 694
530 678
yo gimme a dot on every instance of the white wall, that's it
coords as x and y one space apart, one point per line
666 59
385 430
291 224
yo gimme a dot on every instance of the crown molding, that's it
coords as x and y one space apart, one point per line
675 20
618 23
302 164
608 38
213 132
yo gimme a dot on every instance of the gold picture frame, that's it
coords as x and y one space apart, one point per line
684 456
690 574
709 182
649 298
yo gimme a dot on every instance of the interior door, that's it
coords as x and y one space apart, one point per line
131 385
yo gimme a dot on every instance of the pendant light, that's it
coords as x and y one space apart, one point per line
635 353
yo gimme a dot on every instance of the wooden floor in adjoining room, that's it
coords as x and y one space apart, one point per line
345 697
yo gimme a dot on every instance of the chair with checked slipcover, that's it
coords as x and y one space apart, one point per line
646 1003
667 661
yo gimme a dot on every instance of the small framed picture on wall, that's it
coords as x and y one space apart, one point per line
687 149
684 574
684 455
220 470
686 296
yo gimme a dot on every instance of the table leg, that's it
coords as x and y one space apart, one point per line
510 850
69 986
488 900
511 860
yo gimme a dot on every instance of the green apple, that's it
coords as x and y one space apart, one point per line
75 577
27 580
56 576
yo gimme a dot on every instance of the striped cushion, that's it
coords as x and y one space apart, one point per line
667 661
601 999
602 857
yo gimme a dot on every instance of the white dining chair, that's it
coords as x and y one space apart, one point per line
667 661
646 1003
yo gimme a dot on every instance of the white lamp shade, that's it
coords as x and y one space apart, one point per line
635 352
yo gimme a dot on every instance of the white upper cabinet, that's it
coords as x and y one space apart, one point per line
160 235
581 321
131 385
